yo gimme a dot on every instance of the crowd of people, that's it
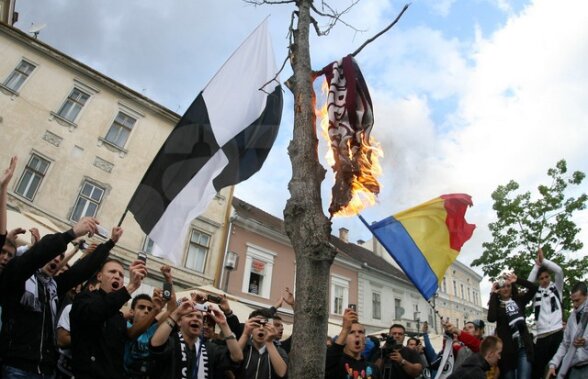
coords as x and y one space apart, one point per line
62 321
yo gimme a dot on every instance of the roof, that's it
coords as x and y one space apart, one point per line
363 256
249 211
65 59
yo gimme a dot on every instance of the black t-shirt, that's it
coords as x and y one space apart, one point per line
342 366
393 370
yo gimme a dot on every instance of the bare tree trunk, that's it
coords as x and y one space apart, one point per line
306 225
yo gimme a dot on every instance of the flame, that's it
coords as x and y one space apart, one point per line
369 164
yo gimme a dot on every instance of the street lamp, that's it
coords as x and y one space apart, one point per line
416 316
231 260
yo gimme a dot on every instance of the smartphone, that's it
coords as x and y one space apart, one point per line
83 245
167 291
353 307
102 231
142 256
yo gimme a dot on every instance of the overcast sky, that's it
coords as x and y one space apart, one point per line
468 94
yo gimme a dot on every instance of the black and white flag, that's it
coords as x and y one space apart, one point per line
221 140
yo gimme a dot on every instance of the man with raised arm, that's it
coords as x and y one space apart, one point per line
32 290
98 328
344 358
548 312
180 351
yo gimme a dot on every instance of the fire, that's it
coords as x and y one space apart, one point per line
368 162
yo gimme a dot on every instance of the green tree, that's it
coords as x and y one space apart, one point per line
525 222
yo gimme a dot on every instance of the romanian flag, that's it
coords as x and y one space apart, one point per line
426 239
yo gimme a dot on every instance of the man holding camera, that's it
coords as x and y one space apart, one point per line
398 361
180 351
262 358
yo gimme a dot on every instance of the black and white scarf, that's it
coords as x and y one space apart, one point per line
516 320
200 367
30 297
552 293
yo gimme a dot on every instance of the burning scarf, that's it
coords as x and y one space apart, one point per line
350 122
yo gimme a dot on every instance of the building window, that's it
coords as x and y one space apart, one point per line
257 278
376 306
454 288
17 77
444 285
469 294
119 131
73 104
197 251
88 201
32 176
462 292
398 311
339 295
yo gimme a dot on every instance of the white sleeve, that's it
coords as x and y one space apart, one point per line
533 274
64 319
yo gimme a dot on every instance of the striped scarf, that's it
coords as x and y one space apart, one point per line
200 366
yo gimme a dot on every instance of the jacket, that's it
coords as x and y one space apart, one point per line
257 365
474 367
167 359
27 337
581 355
497 313
98 334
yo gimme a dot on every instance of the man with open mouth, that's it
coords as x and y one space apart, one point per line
31 291
344 358
180 350
262 358
98 328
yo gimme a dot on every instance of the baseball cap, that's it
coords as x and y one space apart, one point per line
479 324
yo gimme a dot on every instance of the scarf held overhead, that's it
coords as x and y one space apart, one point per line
351 118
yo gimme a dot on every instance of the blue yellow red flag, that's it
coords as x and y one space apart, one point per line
425 240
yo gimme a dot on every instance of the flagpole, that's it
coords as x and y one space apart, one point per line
123 217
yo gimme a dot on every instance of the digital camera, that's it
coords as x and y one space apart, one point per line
201 307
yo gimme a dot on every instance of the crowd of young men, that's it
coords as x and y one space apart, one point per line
63 322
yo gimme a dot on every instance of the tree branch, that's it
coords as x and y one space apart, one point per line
275 78
261 2
288 56
382 32
335 17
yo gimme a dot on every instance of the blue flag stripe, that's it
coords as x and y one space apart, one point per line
402 248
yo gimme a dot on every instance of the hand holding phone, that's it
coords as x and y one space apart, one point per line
102 231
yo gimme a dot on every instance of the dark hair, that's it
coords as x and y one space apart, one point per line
580 287
264 312
141 296
478 324
413 339
489 344
398 326
90 282
541 270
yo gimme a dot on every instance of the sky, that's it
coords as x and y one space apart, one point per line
468 94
